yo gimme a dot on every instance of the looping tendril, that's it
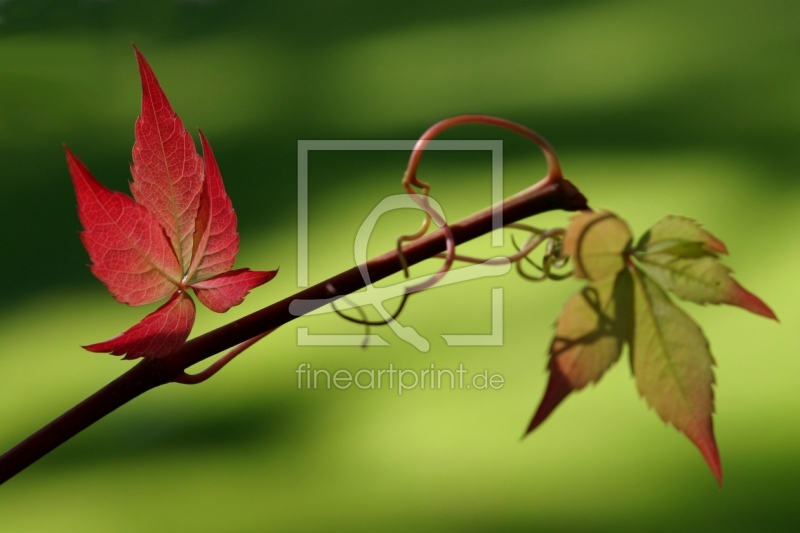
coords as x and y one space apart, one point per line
363 316
552 258
411 183
419 192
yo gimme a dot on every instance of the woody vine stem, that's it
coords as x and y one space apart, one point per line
551 193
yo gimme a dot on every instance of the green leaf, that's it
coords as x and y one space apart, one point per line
626 301
682 257
680 236
596 242
590 333
672 366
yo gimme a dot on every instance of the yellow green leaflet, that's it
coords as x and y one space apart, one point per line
596 242
680 236
682 257
590 333
672 365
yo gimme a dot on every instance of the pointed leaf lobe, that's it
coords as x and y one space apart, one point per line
156 335
167 171
673 366
129 251
216 242
228 289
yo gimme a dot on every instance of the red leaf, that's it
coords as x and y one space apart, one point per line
167 172
180 227
129 251
158 334
225 290
215 241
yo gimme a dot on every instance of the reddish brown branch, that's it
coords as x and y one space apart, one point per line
148 374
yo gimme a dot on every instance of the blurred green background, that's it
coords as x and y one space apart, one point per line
689 108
